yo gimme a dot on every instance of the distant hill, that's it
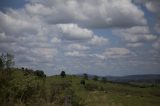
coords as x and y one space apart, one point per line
151 78
148 78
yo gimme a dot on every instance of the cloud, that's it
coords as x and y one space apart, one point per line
116 52
138 34
77 47
112 53
55 40
98 40
6 39
74 54
11 23
74 32
156 44
99 56
88 13
153 6
134 44
54 33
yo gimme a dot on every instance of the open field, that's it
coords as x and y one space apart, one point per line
31 90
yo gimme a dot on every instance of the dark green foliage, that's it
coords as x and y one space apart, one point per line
91 86
63 74
27 71
82 82
40 73
77 100
1 64
104 79
6 61
85 76
95 78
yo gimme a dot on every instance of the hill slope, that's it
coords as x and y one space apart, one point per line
31 90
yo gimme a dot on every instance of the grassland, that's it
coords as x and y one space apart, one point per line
30 90
109 94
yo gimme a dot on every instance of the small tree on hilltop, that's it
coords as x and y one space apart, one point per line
85 76
104 79
6 61
63 74
82 82
95 78
40 73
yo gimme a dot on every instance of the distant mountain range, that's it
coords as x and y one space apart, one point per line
150 78
136 78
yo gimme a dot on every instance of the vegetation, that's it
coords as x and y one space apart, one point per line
104 79
95 78
63 74
85 76
26 87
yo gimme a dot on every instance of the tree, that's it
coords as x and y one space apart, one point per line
63 74
6 61
9 60
82 82
104 79
95 78
85 76
2 61
1 64
40 73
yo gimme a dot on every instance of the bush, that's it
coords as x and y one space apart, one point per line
104 79
91 86
85 76
40 73
95 78
63 74
82 82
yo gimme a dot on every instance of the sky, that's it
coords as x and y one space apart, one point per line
102 37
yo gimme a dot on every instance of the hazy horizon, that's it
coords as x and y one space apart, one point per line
99 37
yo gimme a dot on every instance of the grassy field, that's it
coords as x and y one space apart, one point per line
111 94
30 90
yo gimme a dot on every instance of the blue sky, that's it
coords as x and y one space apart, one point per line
104 37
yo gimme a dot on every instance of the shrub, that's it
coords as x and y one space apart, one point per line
82 82
95 78
63 74
85 76
91 86
104 79
40 73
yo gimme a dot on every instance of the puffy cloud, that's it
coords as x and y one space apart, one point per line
88 13
157 27
112 53
98 40
74 32
154 7
116 52
44 34
55 40
11 23
6 39
134 44
77 47
74 54
138 34
99 56
156 44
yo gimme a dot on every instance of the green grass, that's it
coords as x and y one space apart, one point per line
104 94
112 94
